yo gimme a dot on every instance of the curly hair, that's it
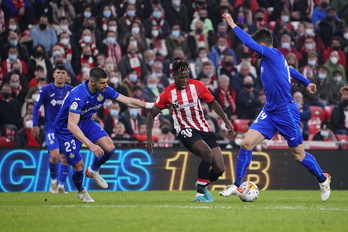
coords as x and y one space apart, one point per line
180 66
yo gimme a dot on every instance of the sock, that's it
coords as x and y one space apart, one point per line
213 176
77 177
99 161
53 170
313 167
243 161
63 173
203 176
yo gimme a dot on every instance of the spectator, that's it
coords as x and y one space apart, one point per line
70 52
219 50
39 58
109 65
177 40
158 23
199 38
309 32
246 58
333 64
157 44
325 133
236 141
320 12
42 34
111 47
305 112
63 27
38 73
224 7
21 10
335 45
112 119
177 14
18 92
152 89
120 134
63 8
203 17
222 31
132 120
248 100
131 60
259 21
24 138
237 80
311 68
227 67
149 58
157 71
115 80
330 26
137 36
286 47
104 17
202 57
335 85
131 80
226 97
23 80
125 23
8 64
141 135
85 69
322 81
30 98
13 40
10 109
209 71
81 19
339 118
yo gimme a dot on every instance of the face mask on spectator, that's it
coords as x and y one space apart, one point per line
65 41
337 79
324 133
152 86
334 59
155 33
87 39
107 13
56 53
309 31
131 13
157 14
111 40
13 42
39 53
309 46
132 2
107 104
345 35
312 62
285 18
238 142
322 76
14 85
85 70
87 14
165 130
64 27
114 80
135 30
114 113
222 48
133 112
29 124
113 28
134 42
12 57
175 33
176 3
42 26
133 77
12 27
6 95
286 45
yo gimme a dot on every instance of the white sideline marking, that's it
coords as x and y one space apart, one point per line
200 207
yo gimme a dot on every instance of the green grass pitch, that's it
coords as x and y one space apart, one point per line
281 210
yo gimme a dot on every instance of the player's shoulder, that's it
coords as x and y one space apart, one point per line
46 88
68 87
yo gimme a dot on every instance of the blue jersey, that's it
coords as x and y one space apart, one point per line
51 97
275 73
81 101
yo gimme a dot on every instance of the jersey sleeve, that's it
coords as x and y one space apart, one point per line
162 100
76 103
37 104
110 93
298 76
204 93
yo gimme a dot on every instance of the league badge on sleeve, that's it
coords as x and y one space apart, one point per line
74 106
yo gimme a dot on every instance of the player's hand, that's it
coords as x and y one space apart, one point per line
150 144
229 19
98 151
311 88
35 131
230 129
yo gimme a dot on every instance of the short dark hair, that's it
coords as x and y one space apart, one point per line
60 66
180 66
38 68
263 36
97 73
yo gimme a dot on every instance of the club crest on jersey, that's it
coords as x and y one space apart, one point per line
74 106
71 156
100 97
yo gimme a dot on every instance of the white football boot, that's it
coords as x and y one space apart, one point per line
231 190
84 196
325 187
96 177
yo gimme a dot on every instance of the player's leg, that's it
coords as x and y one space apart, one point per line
77 178
63 173
218 165
54 166
309 162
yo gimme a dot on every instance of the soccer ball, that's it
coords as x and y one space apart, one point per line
250 191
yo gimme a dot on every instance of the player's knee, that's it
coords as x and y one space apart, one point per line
247 145
54 159
207 156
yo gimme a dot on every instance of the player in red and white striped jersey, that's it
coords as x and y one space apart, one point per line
184 97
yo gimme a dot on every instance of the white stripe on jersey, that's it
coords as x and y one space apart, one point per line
200 120
177 114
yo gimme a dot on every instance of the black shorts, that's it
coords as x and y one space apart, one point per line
189 136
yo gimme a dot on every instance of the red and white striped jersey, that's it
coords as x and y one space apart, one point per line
185 105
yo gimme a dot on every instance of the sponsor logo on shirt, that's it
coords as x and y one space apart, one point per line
74 106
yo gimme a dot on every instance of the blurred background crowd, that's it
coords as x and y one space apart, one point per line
136 40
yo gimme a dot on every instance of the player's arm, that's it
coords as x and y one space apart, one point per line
244 37
217 108
134 103
149 125
36 130
73 119
310 87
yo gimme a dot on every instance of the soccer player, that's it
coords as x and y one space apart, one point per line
51 96
74 126
279 113
183 97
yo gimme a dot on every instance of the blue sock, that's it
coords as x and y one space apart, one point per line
313 167
63 173
243 161
77 177
99 161
53 170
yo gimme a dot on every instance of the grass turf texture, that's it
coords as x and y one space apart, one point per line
173 211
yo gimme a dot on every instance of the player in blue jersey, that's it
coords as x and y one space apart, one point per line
75 127
280 112
51 96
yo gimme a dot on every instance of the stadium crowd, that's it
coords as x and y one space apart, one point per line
135 41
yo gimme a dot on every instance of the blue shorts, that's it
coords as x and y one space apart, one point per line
70 146
285 120
51 139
